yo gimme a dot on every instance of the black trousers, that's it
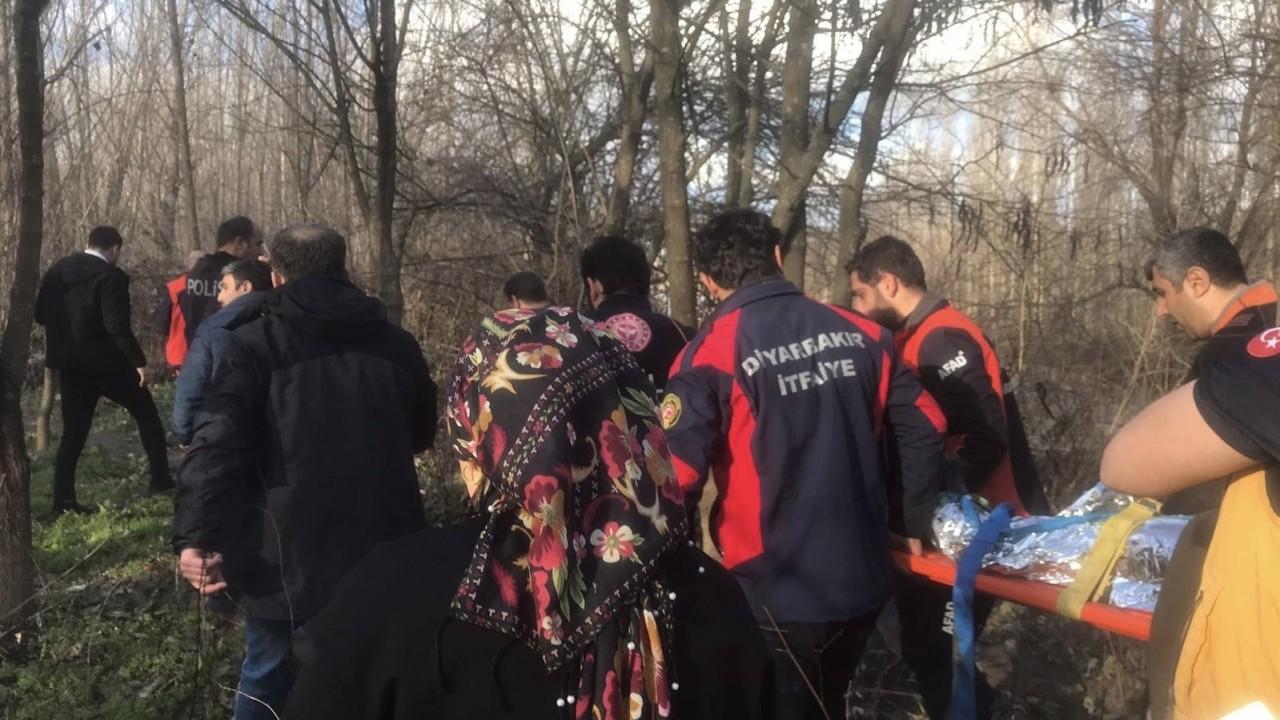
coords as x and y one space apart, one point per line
80 395
926 642
812 660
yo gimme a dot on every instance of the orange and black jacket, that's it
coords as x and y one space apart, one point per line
985 438
1249 313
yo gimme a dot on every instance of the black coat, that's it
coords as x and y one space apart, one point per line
83 303
199 300
653 338
302 455
387 648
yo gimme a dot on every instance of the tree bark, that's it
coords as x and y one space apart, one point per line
636 85
386 66
664 18
793 181
851 194
15 343
181 125
797 73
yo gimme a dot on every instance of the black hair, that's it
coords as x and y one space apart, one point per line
1197 247
617 263
888 254
735 248
526 286
233 228
254 272
105 237
306 250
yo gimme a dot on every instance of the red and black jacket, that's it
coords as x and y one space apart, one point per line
956 363
782 401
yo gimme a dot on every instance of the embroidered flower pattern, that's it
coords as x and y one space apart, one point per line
614 542
561 334
538 356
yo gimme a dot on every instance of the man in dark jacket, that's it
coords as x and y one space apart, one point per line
615 274
237 238
302 457
83 303
784 400
242 292
986 443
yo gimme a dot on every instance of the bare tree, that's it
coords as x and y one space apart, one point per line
15 344
664 17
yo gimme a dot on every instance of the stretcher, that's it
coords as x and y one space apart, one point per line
940 569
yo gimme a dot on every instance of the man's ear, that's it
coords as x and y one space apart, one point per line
777 255
1197 281
889 285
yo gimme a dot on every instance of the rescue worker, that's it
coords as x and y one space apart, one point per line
986 443
1222 657
615 276
782 401
1199 282
237 238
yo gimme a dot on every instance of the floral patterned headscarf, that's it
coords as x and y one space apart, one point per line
554 424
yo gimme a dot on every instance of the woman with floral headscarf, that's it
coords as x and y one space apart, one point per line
576 593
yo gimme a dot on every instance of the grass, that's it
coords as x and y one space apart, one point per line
118 634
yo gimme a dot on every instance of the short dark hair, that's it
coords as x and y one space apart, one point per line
526 286
306 250
735 247
1197 247
619 264
888 254
232 228
254 272
105 237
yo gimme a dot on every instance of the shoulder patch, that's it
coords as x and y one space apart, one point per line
670 411
1266 345
631 329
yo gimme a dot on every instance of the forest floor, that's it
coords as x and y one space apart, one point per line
118 634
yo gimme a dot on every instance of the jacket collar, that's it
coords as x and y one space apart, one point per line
929 304
95 253
1258 294
624 301
762 290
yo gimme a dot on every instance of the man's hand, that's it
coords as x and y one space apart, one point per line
142 377
915 546
203 570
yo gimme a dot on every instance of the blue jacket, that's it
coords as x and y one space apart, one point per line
206 350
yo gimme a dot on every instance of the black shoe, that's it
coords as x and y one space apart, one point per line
73 507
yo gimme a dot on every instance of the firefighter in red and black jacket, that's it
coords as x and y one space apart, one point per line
783 402
986 446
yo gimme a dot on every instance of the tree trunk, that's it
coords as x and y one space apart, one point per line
15 344
181 126
635 96
851 195
387 63
797 72
737 66
664 18
793 181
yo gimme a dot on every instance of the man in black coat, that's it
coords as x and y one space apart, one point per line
83 303
237 238
615 275
302 457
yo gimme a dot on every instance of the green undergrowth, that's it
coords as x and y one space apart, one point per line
117 635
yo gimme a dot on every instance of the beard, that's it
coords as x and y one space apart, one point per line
886 317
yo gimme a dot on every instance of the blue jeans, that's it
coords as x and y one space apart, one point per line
266 674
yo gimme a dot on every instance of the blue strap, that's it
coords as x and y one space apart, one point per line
963 702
